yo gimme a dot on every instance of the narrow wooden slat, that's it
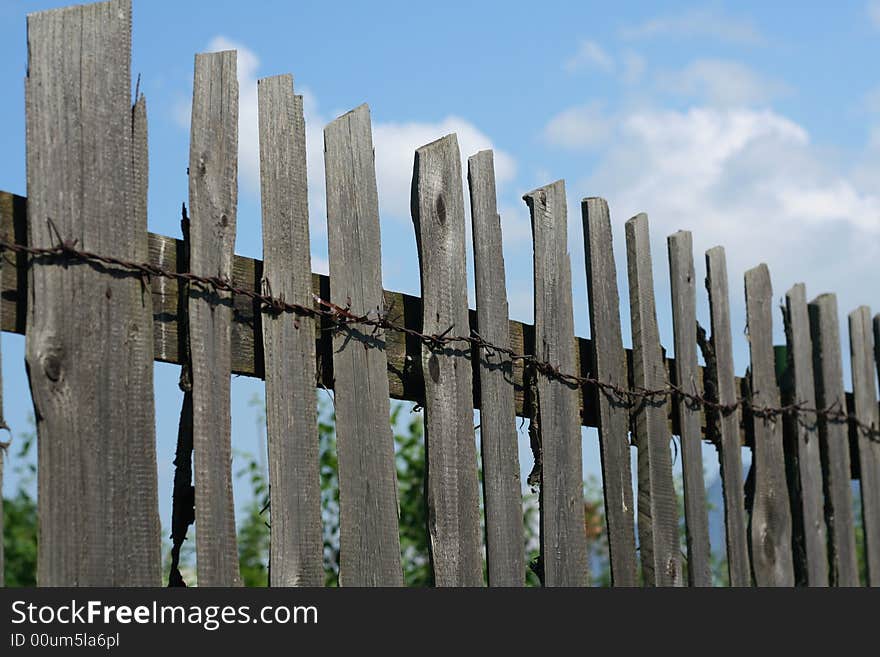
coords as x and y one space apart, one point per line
770 524
502 489
834 441
143 488
657 506
563 540
85 346
452 487
726 386
213 197
288 342
861 346
369 539
805 431
684 322
609 364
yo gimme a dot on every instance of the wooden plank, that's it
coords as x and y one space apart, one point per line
770 523
97 496
861 345
502 489
369 538
143 489
609 364
728 424
657 506
288 342
803 428
213 197
684 324
563 540
834 441
452 488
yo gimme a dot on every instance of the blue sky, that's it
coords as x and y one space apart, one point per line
755 125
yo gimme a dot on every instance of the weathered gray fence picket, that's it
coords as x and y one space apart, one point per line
833 434
89 352
658 515
502 489
369 538
295 552
811 555
452 487
719 357
770 526
609 365
95 320
554 417
865 407
213 200
684 324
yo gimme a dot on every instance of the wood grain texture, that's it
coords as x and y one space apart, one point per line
563 540
728 425
452 488
811 535
502 489
684 324
770 523
213 198
86 347
609 364
834 441
657 505
861 346
288 342
369 538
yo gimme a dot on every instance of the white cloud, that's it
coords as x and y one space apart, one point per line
395 145
589 55
248 117
579 127
753 182
721 82
697 23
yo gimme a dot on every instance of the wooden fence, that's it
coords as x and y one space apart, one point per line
99 298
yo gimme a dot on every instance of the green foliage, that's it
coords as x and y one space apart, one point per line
253 530
20 520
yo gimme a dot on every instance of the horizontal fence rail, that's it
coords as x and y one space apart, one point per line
402 349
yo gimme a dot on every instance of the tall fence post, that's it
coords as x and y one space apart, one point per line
770 522
369 541
89 353
295 557
502 489
213 195
452 487
861 344
684 324
720 374
609 361
556 416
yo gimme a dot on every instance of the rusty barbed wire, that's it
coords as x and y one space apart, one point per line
340 317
